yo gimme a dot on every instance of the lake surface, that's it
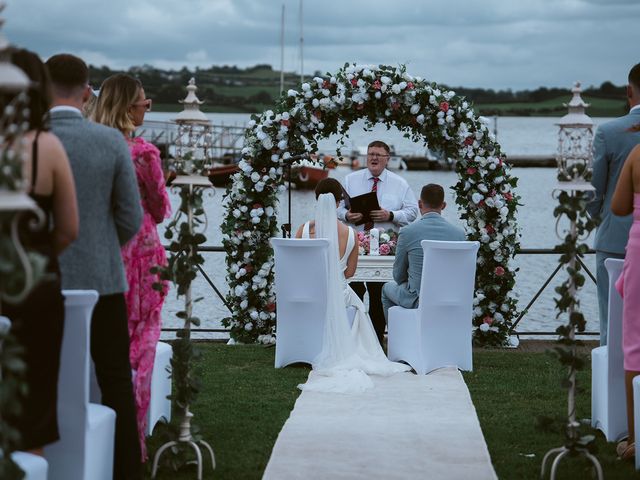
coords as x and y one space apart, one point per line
518 135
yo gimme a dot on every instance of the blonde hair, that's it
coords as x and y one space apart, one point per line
117 94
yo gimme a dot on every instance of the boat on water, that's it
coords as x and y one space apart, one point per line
429 161
306 174
223 168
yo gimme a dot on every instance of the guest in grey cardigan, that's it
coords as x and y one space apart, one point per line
407 267
110 214
611 146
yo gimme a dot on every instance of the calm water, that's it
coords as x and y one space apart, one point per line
537 226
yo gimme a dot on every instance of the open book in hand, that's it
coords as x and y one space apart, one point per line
363 204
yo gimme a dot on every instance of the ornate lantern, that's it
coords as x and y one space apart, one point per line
573 192
575 136
194 142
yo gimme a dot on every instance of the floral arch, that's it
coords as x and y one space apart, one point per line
329 105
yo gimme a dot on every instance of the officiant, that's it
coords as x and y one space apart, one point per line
397 207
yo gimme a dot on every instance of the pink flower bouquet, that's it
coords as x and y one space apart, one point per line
386 244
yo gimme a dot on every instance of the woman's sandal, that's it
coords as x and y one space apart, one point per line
621 447
628 453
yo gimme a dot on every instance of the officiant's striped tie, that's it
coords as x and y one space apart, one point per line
369 225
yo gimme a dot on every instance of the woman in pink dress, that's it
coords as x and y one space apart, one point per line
122 104
626 200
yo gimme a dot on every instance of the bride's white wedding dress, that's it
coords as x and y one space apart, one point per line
348 356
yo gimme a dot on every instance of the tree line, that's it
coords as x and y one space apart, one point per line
255 88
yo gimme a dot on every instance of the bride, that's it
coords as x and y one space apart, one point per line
348 355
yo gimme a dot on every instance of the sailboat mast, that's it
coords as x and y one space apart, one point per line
301 48
282 52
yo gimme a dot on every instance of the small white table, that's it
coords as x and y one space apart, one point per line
374 268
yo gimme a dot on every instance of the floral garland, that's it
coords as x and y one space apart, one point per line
328 105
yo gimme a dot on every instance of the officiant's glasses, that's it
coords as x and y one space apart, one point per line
375 156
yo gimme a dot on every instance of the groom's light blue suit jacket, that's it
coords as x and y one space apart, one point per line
407 268
611 146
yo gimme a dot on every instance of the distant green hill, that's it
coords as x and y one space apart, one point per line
230 89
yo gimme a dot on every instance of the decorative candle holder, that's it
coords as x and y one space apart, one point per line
374 242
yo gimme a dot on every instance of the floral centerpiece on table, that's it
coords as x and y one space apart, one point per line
387 243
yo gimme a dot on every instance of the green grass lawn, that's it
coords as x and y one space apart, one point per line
244 403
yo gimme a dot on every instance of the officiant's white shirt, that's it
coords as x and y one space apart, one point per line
394 195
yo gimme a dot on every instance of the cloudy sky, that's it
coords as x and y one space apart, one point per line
497 44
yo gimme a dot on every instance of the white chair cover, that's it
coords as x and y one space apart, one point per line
636 416
85 448
608 404
159 404
438 333
34 467
301 298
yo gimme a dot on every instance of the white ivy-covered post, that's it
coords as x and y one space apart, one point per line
424 112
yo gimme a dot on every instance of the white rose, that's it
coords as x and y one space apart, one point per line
420 119
378 95
282 144
305 87
395 88
482 188
267 143
255 176
315 102
477 197
484 327
244 304
415 108
385 80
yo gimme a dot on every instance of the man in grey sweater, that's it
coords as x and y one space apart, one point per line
110 214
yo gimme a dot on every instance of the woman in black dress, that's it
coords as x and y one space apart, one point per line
37 322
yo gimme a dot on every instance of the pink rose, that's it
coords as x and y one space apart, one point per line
354 82
488 320
284 123
499 271
471 171
508 197
468 140
444 106
410 85
361 236
377 85
491 230
384 249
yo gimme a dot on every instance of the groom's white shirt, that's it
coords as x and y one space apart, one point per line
394 194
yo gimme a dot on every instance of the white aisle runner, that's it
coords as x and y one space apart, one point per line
406 427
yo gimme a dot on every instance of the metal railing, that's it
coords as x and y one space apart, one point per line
512 330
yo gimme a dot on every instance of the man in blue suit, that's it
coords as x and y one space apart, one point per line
611 146
407 268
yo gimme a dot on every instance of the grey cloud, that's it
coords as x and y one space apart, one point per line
491 43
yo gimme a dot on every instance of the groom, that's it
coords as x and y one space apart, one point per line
407 268
398 207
